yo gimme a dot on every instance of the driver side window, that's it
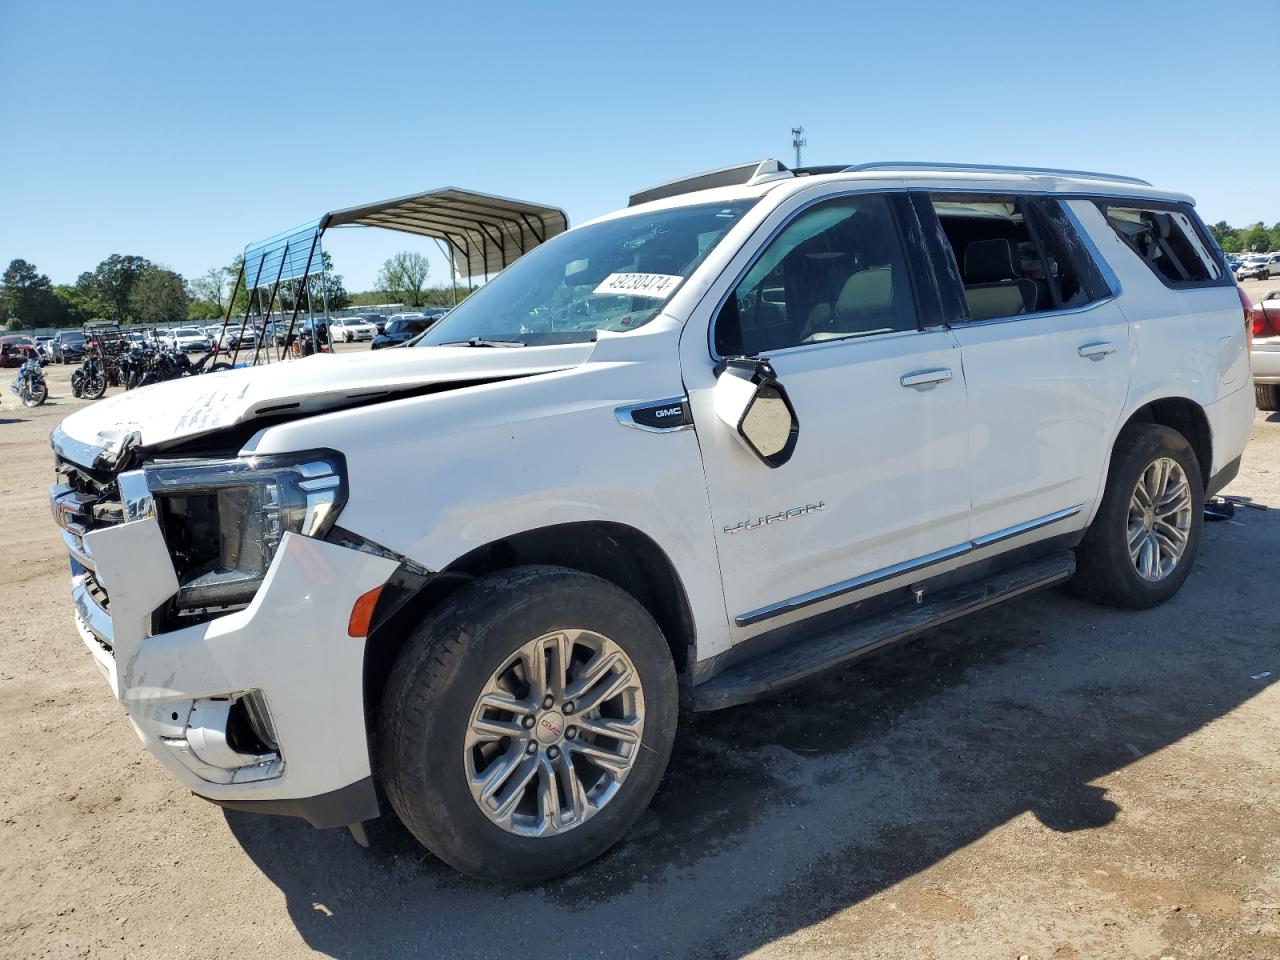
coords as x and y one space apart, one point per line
836 271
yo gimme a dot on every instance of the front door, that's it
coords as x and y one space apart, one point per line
877 487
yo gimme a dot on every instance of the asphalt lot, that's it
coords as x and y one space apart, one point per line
1048 779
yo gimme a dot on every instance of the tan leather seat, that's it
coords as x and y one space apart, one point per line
992 287
865 305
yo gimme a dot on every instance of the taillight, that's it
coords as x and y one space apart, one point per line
1250 315
1263 324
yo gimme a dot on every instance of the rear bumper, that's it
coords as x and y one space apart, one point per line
1265 360
288 651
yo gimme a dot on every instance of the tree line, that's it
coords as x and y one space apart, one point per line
133 289
1254 239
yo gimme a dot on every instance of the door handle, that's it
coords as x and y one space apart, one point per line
923 379
1096 350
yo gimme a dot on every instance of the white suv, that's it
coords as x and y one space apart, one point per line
757 424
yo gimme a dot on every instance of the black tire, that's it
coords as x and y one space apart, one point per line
36 396
1104 571
427 703
1266 396
219 366
95 386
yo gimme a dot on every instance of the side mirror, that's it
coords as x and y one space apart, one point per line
749 400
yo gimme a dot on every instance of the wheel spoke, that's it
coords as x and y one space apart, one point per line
513 789
1171 546
486 729
609 687
590 672
497 773
571 787
601 757
625 731
501 700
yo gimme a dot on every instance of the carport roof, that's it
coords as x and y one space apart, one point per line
485 232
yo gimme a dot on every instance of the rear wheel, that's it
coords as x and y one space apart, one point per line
1267 396
1142 543
527 723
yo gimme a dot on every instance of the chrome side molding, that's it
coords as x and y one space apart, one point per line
898 569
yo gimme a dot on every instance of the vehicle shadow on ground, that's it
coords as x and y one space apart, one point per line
7 420
777 814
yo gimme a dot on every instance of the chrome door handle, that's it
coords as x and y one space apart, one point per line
923 379
1096 350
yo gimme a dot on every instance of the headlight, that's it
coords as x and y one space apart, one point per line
223 519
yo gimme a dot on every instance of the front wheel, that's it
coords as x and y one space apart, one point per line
95 385
527 723
1266 396
35 395
1142 543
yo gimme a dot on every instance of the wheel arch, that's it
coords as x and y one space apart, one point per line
615 552
1185 416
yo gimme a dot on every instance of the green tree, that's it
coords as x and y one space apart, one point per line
404 277
211 286
26 296
203 311
1221 230
1231 243
111 283
158 296
1257 239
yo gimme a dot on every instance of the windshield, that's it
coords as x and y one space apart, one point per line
614 275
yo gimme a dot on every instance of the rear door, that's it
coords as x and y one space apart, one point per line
1045 351
877 487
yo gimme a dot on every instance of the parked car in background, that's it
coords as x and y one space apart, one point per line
378 320
191 340
68 346
401 330
683 456
17 349
44 349
1253 268
351 329
1264 355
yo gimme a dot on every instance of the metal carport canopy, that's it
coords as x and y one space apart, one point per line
485 233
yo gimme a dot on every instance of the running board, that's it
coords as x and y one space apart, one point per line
805 659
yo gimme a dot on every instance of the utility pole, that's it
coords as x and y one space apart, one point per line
798 141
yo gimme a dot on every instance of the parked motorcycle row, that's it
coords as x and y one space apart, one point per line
110 360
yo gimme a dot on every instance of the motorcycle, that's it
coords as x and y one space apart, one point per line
89 380
29 385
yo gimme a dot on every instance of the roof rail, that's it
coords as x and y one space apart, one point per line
757 171
991 168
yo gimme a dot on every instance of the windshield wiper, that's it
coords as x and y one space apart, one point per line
482 342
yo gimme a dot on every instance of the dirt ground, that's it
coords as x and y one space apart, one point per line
1046 780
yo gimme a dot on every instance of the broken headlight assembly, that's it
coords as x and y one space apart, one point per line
223 520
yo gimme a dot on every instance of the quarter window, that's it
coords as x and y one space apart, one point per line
1168 242
836 271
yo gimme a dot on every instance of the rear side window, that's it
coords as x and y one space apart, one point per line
1016 255
1168 240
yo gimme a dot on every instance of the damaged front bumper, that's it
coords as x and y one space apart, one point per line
259 709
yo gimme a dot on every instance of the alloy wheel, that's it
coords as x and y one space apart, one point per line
554 733
1159 519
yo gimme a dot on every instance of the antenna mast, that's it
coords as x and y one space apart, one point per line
798 141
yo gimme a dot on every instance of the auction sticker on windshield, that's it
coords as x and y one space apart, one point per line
655 285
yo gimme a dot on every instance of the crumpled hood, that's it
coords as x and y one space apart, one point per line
184 408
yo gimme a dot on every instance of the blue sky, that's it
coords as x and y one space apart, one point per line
182 131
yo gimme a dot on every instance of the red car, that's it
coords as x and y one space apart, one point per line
14 350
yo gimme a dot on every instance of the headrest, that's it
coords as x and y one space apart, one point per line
868 293
988 261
